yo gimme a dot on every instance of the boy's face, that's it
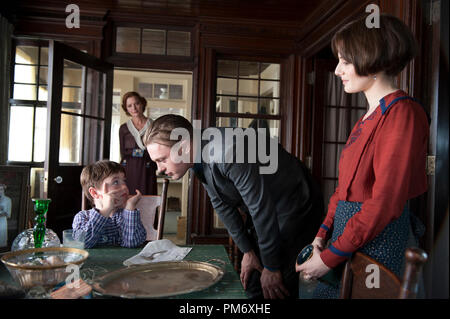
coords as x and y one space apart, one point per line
115 186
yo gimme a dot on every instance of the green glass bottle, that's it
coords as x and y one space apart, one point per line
41 208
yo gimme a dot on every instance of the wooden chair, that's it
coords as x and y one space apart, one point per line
147 205
390 286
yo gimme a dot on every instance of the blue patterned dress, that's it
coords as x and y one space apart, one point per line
387 248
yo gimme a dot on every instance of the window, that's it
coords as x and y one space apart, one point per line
153 41
341 112
28 106
161 91
248 95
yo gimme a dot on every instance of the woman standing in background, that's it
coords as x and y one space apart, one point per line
140 169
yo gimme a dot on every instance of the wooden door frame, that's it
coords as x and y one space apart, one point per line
57 53
200 225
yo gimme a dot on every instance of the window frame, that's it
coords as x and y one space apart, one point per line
164 28
260 60
27 103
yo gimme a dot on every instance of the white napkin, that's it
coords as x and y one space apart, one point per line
158 250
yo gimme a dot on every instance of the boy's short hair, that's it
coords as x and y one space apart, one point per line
162 128
388 48
94 174
127 95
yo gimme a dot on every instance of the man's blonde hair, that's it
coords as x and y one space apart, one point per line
162 128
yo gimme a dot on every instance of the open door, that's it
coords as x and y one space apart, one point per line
78 130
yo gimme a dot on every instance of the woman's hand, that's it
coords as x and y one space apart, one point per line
319 243
314 267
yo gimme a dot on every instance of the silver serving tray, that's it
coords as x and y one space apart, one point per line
160 279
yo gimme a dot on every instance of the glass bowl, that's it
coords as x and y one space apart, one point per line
25 240
44 267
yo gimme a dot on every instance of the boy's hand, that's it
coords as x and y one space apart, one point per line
109 202
133 200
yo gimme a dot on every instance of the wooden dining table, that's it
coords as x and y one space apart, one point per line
104 260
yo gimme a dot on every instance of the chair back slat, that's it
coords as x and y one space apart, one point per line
365 278
147 206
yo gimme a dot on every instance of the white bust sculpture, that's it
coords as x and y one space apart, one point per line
5 213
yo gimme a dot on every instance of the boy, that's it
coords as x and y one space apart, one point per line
114 220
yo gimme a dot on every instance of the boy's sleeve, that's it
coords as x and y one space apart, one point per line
92 222
133 232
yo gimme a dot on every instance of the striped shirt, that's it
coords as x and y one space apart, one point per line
124 228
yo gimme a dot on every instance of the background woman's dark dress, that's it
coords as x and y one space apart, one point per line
140 171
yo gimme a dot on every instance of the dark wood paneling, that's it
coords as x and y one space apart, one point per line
290 31
336 15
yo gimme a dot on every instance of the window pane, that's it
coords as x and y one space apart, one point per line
226 104
40 134
93 143
24 92
20 133
153 41
269 106
26 54
249 70
227 68
128 40
25 73
270 71
269 88
43 75
178 43
70 139
248 105
248 87
43 93
73 75
160 91
226 86
71 95
44 56
273 126
226 122
244 122
175 92
94 94
145 90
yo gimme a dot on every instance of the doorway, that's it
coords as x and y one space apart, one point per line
166 92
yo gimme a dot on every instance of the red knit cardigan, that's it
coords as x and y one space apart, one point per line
382 165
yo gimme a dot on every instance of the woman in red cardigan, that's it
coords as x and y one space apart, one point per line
382 165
